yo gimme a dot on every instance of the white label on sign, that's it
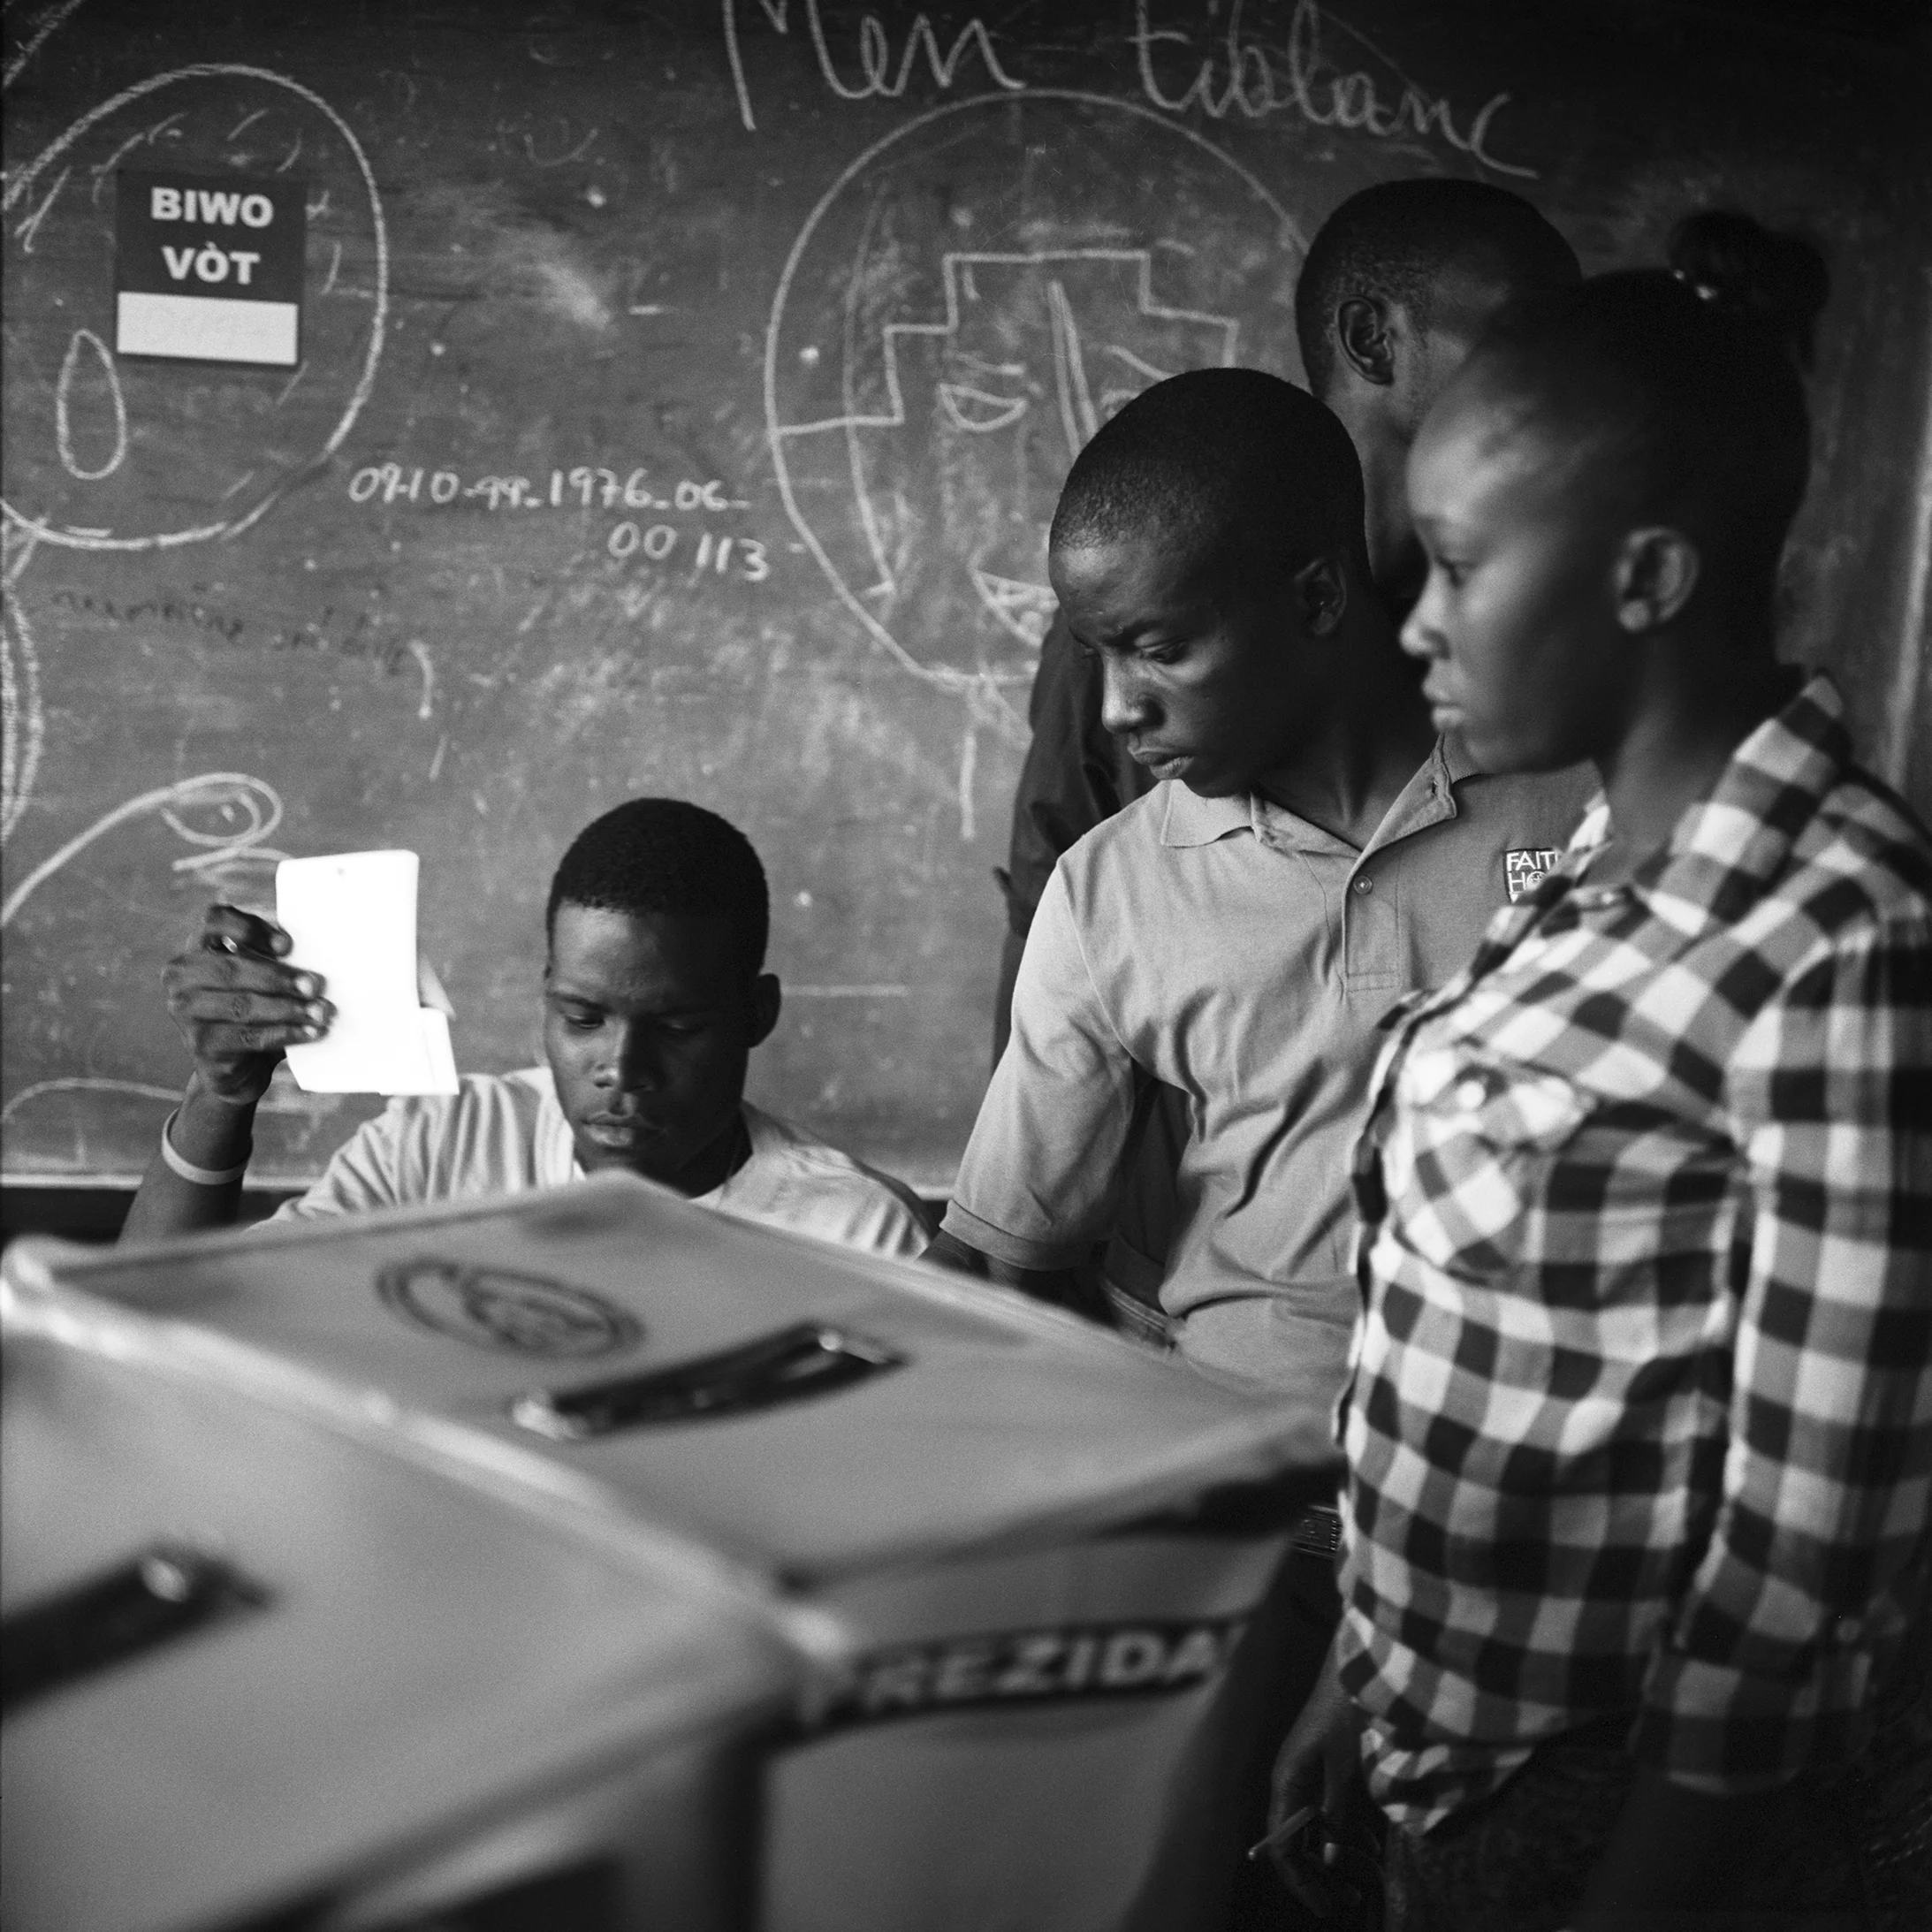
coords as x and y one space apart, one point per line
205 329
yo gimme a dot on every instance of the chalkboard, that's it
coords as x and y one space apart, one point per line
683 393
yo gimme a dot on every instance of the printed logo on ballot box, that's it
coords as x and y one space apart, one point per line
505 1308
208 268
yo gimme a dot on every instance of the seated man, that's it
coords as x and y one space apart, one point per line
654 995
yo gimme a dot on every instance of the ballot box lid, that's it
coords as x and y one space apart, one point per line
250 1649
807 1410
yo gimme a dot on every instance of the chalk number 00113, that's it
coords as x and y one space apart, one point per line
744 557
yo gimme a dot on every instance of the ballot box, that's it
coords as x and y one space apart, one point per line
1053 1555
264 1668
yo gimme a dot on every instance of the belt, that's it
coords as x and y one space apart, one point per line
1317 1531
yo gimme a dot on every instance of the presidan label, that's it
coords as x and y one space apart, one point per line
1049 1665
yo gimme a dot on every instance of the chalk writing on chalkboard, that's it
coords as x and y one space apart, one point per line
881 76
929 381
1235 68
583 486
1254 59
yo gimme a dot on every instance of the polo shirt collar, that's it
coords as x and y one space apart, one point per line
1188 820
1428 797
1454 758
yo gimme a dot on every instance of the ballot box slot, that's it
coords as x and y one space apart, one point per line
165 1591
808 1358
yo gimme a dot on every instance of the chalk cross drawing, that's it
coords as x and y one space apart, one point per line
1023 606
929 380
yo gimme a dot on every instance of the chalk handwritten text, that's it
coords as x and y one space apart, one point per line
741 557
1237 70
874 61
586 487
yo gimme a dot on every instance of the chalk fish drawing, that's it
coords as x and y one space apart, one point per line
948 333
245 810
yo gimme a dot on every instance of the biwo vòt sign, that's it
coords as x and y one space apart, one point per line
209 267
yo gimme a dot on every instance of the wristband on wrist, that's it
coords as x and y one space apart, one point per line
187 1170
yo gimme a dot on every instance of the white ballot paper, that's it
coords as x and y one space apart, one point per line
352 917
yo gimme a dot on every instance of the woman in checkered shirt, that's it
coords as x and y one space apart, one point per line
1639 1437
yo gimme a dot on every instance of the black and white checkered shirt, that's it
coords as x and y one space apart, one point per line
1641 1415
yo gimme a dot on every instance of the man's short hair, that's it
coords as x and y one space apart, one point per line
1225 465
666 856
1394 241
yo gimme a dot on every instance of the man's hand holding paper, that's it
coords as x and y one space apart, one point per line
239 1002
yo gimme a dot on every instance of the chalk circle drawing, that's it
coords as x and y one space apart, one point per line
20 714
105 452
966 304
225 817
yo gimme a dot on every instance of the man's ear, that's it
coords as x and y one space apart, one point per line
1653 578
1321 596
1362 334
765 1001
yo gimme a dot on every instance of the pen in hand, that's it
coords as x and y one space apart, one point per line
1285 1830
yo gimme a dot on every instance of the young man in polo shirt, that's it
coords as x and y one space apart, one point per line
1313 852
654 995
1396 286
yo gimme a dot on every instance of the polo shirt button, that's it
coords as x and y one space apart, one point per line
1364 884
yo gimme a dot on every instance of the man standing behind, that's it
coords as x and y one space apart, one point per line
1396 287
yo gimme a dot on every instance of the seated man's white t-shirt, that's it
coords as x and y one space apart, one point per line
505 1133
